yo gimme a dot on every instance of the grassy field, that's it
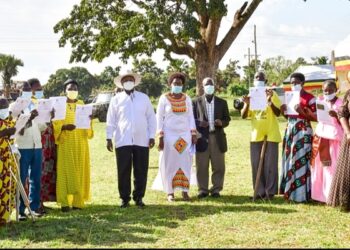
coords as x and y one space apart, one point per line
230 221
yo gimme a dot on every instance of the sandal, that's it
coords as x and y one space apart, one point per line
171 197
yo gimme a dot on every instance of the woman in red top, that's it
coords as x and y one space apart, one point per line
297 145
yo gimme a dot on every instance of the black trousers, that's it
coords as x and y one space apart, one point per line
139 158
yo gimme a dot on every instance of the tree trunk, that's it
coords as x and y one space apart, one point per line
7 90
205 67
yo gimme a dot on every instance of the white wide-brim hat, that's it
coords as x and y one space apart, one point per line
118 79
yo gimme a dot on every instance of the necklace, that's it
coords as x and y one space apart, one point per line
70 106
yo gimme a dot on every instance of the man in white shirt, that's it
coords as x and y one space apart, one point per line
30 147
132 122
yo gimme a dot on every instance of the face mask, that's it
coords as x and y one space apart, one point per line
297 87
259 83
209 89
176 89
4 113
72 94
26 94
329 97
39 94
129 85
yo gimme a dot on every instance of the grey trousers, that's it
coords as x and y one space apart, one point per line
268 184
217 160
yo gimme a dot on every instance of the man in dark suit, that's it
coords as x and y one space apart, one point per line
212 116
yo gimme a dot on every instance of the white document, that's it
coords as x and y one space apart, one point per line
44 110
20 123
292 98
258 100
18 106
82 116
323 109
59 104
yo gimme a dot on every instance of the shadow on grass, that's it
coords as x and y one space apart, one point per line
107 225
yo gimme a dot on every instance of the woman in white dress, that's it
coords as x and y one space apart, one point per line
177 136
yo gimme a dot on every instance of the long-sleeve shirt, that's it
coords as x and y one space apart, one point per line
131 120
31 139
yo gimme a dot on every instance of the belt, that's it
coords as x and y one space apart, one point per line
212 132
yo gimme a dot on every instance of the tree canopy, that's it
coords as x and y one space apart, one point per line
9 67
98 28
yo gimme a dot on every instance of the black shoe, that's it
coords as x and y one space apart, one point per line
22 217
140 204
77 208
202 195
257 198
65 209
215 195
124 204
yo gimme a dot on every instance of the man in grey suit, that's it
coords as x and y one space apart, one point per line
212 116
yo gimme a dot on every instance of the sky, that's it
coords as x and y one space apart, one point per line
289 28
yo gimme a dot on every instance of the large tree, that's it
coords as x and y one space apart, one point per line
97 28
9 68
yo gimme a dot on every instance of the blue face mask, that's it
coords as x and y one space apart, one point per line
26 94
176 89
4 113
209 89
39 94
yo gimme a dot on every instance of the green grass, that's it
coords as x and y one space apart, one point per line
231 221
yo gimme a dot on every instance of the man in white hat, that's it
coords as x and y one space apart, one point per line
132 122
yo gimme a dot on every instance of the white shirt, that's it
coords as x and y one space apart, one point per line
210 112
131 120
31 139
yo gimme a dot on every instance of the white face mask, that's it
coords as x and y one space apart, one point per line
329 97
259 83
129 85
26 94
297 87
4 113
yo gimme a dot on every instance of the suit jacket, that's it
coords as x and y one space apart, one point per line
220 112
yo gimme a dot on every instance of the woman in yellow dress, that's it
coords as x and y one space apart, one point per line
7 189
73 157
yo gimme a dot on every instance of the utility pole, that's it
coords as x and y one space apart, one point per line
249 56
256 51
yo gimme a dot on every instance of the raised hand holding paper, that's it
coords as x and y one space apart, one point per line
59 104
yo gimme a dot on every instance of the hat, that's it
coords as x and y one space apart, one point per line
118 79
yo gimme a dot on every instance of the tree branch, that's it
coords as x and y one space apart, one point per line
241 17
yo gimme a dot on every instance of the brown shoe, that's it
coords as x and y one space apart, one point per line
185 196
171 197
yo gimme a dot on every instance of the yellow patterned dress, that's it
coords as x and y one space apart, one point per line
73 161
7 184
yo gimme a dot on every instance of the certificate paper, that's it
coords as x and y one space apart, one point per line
59 104
292 98
20 123
258 100
323 109
44 110
18 106
82 116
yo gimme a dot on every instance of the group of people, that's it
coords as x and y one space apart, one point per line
315 164
183 126
50 160
54 160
